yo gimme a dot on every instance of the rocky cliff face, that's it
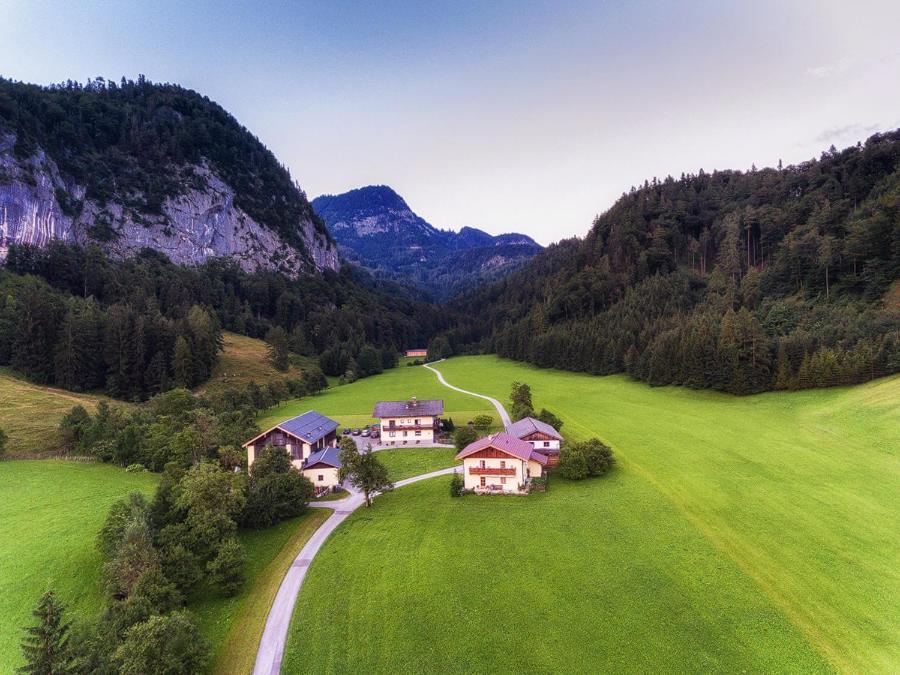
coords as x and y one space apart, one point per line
37 205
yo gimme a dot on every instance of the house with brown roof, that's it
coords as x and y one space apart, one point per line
501 463
543 437
412 422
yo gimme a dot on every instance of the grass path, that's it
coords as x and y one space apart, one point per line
798 489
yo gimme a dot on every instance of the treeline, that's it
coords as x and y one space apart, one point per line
136 143
143 325
778 278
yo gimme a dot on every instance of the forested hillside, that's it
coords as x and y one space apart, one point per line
741 281
75 318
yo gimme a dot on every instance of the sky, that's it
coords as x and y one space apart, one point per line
531 117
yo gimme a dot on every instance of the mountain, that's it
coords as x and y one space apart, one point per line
375 228
140 165
779 278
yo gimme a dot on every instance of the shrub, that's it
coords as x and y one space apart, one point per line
482 423
274 491
135 468
588 458
227 568
463 436
457 485
162 644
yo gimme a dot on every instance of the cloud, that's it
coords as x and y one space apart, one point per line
850 132
830 70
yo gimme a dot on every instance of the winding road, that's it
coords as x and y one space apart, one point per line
504 416
274 637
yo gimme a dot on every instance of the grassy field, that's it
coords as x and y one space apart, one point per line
30 414
406 462
50 512
753 534
233 626
243 360
352 404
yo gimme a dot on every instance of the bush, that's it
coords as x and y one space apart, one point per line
482 423
227 568
457 485
463 436
588 458
162 644
135 468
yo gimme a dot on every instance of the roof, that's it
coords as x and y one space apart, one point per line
308 427
503 442
408 408
529 425
327 456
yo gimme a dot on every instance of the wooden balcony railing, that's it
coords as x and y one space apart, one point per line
491 471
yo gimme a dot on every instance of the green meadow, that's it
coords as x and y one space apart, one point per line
736 534
407 462
352 404
50 513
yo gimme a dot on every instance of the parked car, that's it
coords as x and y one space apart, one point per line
357 432
375 433
366 432
346 431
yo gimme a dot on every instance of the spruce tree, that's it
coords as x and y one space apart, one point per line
45 645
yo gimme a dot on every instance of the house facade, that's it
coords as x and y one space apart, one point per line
542 437
301 436
411 422
416 353
322 468
501 463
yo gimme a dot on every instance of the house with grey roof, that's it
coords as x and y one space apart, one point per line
323 469
300 436
542 437
410 422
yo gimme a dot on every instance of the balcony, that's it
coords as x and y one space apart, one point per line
491 471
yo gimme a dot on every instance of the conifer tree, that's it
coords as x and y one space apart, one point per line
45 645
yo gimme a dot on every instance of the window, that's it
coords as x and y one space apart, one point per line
502 464
528 472
418 433
546 444
392 434
483 481
405 434
503 480
321 478
481 463
417 422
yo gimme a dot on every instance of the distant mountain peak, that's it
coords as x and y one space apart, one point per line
375 227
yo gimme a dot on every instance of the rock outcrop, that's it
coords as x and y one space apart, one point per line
38 205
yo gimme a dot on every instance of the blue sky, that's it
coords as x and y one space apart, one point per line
531 117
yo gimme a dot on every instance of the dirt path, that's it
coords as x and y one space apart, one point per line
504 416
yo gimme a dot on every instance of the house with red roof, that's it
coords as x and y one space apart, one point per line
501 463
543 437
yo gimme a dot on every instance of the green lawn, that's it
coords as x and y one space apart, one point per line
754 534
352 404
50 512
233 626
407 462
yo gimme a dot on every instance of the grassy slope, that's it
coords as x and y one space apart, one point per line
233 626
50 512
798 489
243 360
755 533
601 576
352 405
30 414
406 462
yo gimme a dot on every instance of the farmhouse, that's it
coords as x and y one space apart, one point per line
501 463
543 438
301 436
323 468
412 421
416 353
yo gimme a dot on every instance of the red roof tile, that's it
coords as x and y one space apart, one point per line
504 443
